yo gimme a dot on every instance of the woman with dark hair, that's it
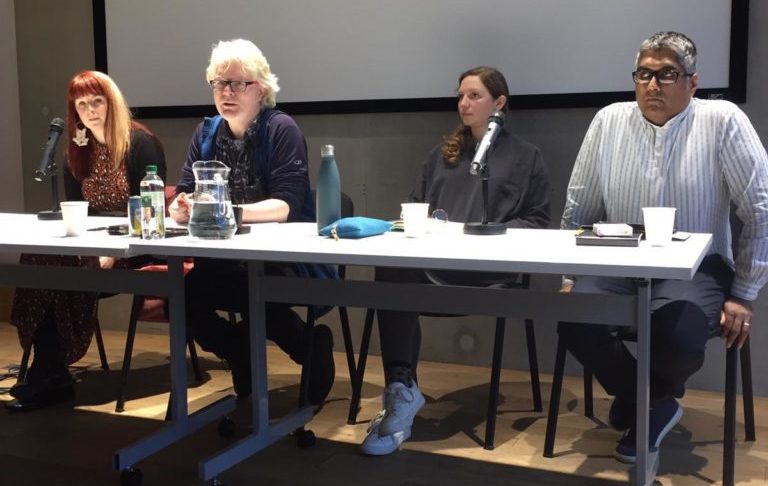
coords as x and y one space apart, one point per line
518 197
106 159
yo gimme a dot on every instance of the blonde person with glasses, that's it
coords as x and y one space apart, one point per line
668 148
519 197
269 179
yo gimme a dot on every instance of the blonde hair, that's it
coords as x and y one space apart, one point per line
250 59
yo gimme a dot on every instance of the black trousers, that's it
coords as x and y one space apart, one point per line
399 331
684 315
223 285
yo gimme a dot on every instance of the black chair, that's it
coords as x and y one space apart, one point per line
729 439
498 350
731 371
149 309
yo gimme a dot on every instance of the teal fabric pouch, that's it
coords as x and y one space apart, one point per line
356 227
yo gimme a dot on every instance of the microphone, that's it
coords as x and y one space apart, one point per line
54 133
495 122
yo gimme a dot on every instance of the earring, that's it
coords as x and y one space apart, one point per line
80 139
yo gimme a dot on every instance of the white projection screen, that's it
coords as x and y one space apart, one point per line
405 55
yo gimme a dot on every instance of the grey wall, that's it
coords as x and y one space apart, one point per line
379 157
12 195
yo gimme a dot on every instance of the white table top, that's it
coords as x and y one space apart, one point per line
529 251
24 233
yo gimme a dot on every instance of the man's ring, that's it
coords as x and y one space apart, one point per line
746 324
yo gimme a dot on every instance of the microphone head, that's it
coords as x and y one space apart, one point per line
497 117
58 124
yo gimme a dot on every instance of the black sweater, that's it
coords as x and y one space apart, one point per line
144 151
519 191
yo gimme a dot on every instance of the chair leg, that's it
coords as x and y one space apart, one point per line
306 368
729 439
100 346
24 365
589 409
194 360
746 391
554 400
533 365
348 348
493 392
357 382
138 303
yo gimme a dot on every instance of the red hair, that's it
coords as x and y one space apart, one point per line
117 129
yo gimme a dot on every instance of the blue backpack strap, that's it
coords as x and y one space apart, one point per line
208 136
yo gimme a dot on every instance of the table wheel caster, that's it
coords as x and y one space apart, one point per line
131 476
226 427
304 438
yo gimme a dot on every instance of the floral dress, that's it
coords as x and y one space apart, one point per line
74 312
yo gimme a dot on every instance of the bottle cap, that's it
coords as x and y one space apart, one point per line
151 169
326 151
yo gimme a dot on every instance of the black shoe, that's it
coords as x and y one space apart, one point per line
323 369
622 414
41 399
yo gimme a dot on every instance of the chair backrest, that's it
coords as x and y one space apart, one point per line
347 205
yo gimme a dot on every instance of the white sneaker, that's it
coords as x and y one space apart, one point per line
401 404
381 445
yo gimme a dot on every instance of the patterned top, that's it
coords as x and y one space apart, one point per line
698 162
106 188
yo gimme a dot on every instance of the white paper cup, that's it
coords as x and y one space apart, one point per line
414 218
659 223
74 214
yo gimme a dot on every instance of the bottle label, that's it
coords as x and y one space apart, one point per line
153 215
134 215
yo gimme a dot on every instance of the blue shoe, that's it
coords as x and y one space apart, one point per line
663 416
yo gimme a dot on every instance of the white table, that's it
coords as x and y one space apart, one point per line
23 233
525 251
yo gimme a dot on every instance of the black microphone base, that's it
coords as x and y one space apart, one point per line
49 215
484 229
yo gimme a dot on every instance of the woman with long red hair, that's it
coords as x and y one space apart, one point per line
106 159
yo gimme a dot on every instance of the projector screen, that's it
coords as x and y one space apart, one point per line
406 55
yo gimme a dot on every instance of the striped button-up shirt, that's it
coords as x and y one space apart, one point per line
698 162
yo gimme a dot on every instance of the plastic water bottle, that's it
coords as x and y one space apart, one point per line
328 202
152 191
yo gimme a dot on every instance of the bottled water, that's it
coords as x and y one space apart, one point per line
152 192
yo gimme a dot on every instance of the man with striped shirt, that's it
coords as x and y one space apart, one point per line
670 149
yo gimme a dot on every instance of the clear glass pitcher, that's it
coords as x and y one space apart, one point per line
212 217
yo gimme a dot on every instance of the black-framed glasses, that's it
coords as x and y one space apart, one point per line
236 86
663 76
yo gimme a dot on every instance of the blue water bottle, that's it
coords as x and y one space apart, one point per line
328 202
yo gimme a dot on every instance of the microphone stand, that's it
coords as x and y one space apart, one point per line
55 212
485 227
